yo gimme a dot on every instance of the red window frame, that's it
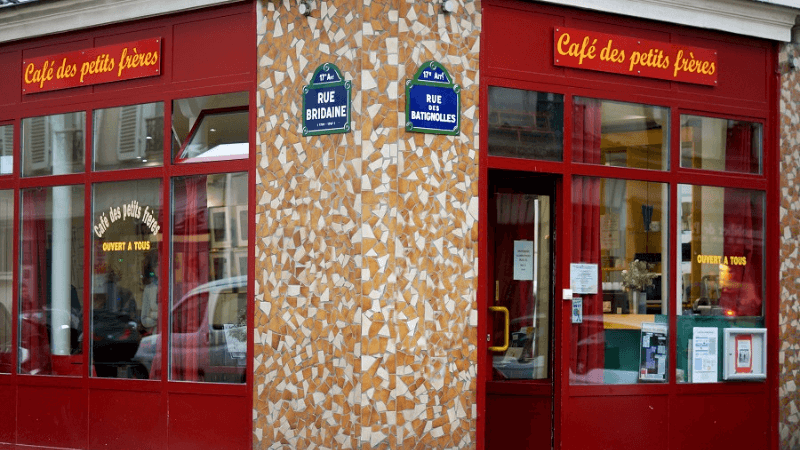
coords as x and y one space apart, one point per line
177 81
502 66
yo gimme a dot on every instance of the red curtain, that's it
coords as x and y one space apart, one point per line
191 246
34 275
190 259
741 293
588 338
515 222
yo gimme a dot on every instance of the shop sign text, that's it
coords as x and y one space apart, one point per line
92 66
626 55
131 210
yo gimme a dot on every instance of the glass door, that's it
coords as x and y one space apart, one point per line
520 350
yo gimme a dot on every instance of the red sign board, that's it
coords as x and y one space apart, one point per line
98 65
626 55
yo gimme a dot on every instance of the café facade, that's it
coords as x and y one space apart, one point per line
447 224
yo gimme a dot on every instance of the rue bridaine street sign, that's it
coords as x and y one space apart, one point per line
326 102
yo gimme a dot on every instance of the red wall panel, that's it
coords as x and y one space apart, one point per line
52 416
213 48
727 421
8 411
518 421
617 423
126 419
208 421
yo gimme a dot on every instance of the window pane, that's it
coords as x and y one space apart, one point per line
525 124
522 229
126 238
6 270
620 134
51 281
721 268
620 236
720 144
6 149
212 128
208 340
53 145
129 136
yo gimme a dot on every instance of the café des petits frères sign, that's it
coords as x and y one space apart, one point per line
326 102
433 101
91 66
590 50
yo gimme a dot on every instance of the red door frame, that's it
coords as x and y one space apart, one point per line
743 93
171 414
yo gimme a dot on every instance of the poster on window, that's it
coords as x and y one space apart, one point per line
583 278
653 352
705 354
744 353
523 260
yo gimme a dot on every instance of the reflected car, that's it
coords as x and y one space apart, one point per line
209 334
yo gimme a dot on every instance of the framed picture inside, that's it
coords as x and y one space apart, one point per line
220 265
240 261
241 225
219 227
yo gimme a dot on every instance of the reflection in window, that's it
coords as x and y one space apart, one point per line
6 270
721 264
6 149
619 230
720 144
53 145
129 136
525 124
522 226
126 232
620 134
211 128
209 293
51 281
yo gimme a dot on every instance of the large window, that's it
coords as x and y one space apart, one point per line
209 302
526 124
127 236
720 271
53 145
51 281
617 233
167 250
621 234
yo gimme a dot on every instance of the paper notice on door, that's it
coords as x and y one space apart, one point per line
705 355
583 278
523 260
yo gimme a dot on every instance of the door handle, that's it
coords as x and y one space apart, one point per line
504 347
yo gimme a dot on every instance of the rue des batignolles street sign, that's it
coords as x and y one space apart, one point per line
326 102
433 101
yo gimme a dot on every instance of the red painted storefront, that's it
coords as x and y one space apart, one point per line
562 406
203 53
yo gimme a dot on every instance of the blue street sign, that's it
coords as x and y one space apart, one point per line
326 102
433 102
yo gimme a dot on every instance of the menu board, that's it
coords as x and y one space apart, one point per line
704 354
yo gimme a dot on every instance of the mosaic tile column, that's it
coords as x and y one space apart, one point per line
366 246
789 352
437 242
309 261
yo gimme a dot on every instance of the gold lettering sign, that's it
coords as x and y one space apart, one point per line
92 66
627 55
